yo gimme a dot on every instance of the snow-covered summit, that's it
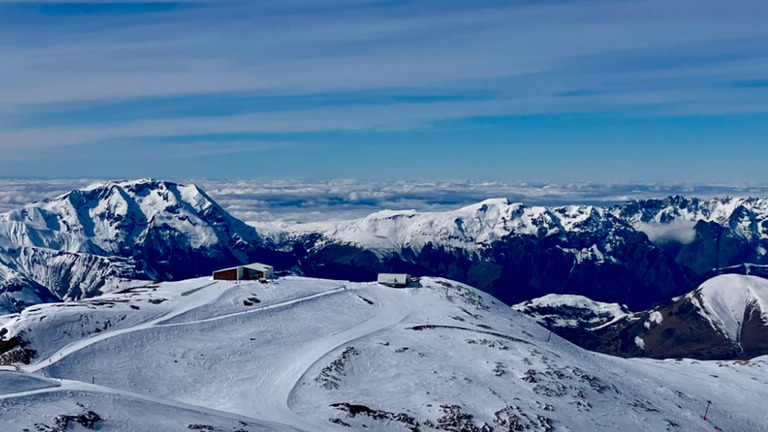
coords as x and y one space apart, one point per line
112 217
729 301
80 242
471 227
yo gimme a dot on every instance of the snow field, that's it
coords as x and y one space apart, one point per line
310 353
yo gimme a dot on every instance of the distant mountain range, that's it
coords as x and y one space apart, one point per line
640 254
510 250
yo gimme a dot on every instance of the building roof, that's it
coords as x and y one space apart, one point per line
242 266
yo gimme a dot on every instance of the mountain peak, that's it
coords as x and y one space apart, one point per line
164 226
494 202
727 301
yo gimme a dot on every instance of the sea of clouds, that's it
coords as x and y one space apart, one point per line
291 201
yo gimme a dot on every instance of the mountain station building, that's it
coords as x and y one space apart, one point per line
255 271
394 280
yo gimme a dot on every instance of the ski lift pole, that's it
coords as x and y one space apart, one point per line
707 410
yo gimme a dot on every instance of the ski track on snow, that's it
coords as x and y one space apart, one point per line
158 322
272 402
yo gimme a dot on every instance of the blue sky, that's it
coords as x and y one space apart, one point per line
672 90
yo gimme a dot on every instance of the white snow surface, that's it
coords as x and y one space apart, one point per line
471 228
725 300
654 317
275 356
639 342
577 301
604 313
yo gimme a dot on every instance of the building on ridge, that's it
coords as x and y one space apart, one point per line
254 271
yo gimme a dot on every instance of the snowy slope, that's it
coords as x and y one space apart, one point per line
325 355
69 275
110 218
728 300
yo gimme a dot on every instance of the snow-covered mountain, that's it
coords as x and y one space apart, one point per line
84 242
704 234
743 214
726 317
69 275
143 217
638 254
641 254
300 354
472 228
508 249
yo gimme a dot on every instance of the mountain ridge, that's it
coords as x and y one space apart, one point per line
150 229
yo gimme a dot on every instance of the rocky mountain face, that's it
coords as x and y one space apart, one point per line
725 318
18 291
637 254
723 232
510 250
84 242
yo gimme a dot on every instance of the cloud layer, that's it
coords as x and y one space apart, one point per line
292 201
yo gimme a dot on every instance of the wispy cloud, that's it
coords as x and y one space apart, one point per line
678 231
77 73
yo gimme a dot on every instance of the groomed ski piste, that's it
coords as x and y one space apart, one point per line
300 354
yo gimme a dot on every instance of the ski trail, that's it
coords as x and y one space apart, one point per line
197 301
254 310
158 322
73 385
272 401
